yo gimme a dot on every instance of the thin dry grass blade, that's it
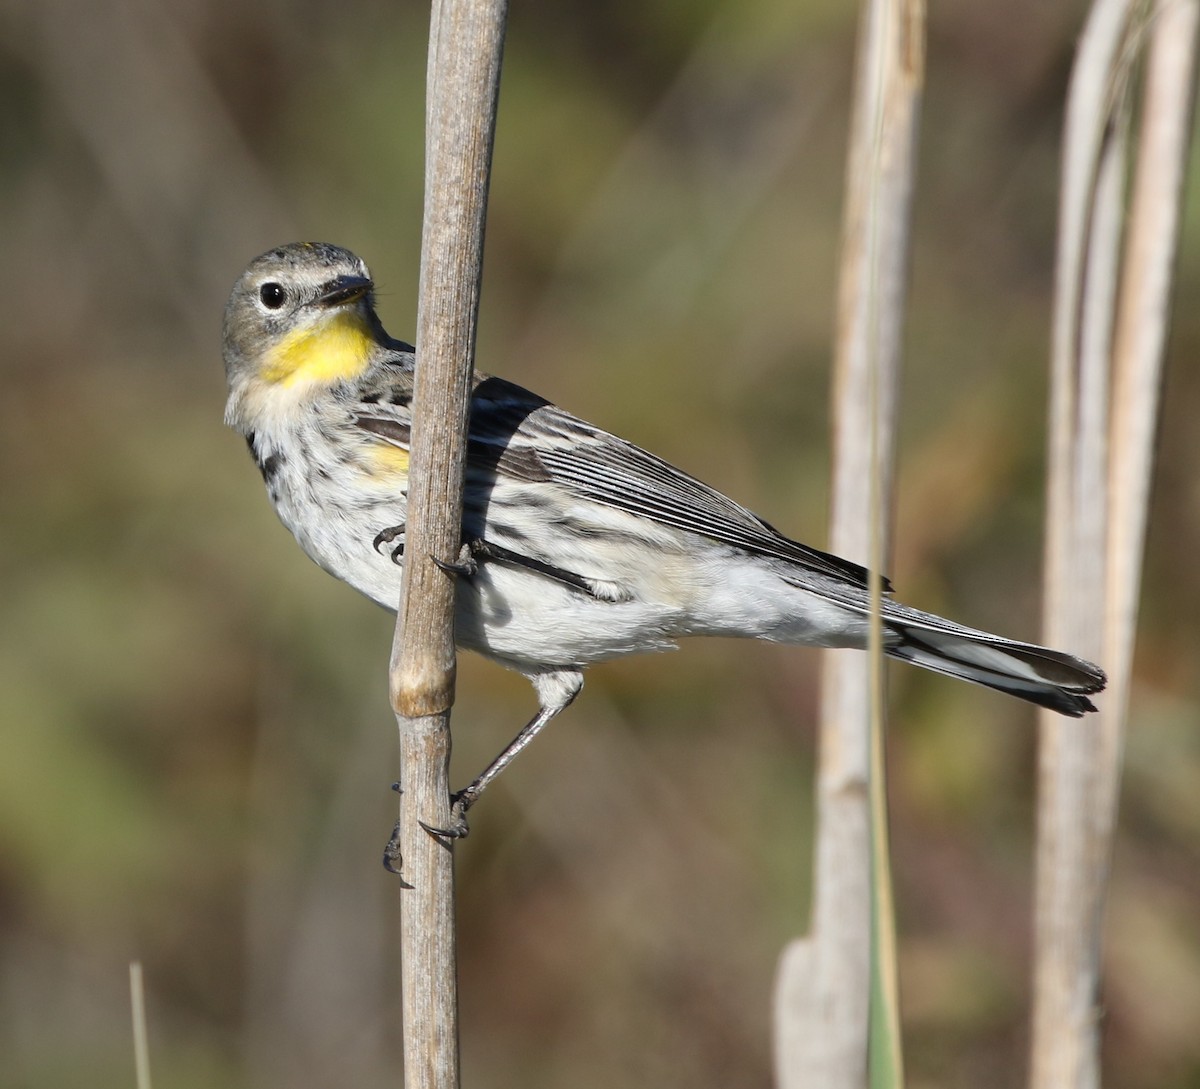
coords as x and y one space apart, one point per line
141 1035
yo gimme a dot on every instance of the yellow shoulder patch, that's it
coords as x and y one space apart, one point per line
389 460
333 351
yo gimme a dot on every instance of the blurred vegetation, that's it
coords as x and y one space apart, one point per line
197 743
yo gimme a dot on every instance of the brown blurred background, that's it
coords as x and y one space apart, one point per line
197 745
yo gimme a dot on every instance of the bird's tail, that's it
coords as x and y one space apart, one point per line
1046 677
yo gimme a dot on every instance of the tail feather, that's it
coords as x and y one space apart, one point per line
1049 678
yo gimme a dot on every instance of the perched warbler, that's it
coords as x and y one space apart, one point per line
580 546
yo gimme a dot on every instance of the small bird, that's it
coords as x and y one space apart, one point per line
578 546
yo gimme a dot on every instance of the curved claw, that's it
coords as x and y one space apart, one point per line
460 802
387 536
459 829
464 567
459 570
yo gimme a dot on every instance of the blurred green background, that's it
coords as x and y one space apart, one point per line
197 745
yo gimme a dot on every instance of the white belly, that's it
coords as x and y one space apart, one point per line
531 621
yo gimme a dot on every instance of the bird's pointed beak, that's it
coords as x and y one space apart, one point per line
344 290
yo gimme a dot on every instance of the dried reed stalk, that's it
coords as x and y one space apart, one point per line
465 48
1104 400
823 989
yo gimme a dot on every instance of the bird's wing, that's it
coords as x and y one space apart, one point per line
517 435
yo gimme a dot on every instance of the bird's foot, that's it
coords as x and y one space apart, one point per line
393 862
392 859
465 566
457 827
386 537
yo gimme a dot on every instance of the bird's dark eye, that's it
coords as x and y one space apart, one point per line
272 295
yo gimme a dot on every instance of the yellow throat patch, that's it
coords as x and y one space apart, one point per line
332 351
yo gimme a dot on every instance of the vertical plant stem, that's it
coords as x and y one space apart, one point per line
1142 318
1104 402
823 1007
1066 968
465 48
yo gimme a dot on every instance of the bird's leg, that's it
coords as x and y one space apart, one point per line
461 801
